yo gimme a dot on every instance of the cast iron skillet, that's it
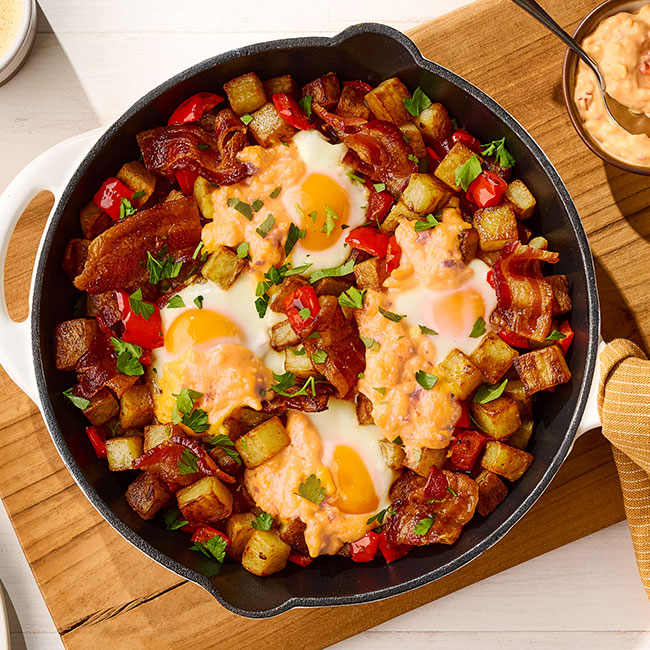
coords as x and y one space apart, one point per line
369 52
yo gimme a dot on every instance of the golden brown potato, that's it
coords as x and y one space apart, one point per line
284 84
262 442
498 418
136 407
292 532
393 454
147 495
265 553
222 267
324 91
364 409
542 369
468 240
458 155
279 292
561 296
269 127
103 406
434 123
496 227
283 336
174 195
72 340
425 193
522 435
493 356
94 221
250 418
491 492
246 93
120 383
138 179
239 529
414 139
523 202
505 461
299 364
121 452
331 286
386 101
352 104
461 374
515 390
397 212
203 191
156 434
371 274
206 501
422 460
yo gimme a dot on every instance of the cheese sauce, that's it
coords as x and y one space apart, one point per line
11 15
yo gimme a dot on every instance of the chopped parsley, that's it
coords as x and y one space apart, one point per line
330 218
226 444
380 389
188 463
478 329
423 526
141 308
497 148
137 195
257 205
173 519
198 301
243 249
241 207
305 104
425 379
396 318
428 221
162 267
311 489
202 146
379 517
293 236
489 392
276 192
263 229
283 382
555 335
371 344
427 330
263 521
197 250
304 313
337 272
352 298
128 357
126 209
417 103
215 547
195 419
413 158
246 118
175 302
379 187
80 402
320 356
355 177
468 172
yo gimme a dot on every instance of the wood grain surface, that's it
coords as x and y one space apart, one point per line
104 593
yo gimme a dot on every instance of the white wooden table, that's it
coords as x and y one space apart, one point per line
91 60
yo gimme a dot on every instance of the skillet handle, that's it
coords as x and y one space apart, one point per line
50 171
591 417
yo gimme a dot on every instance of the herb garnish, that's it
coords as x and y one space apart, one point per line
352 298
198 301
80 402
489 392
195 419
320 356
126 209
425 379
311 489
215 547
226 444
188 463
293 236
337 272
468 172
162 267
371 344
427 221
423 526
243 249
141 308
478 329
241 207
555 335
246 118
497 148
128 357
396 318
175 302
263 229
427 330
417 103
263 521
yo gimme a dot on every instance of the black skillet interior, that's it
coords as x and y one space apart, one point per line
372 53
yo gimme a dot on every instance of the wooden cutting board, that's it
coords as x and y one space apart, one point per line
104 593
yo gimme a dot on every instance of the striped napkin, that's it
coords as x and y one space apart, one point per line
624 405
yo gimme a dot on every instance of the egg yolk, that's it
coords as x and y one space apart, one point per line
356 491
196 326
325 206
456 313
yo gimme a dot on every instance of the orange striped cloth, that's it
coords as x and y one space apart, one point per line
624 405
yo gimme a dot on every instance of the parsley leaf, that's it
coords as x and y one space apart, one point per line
380 389
261 305
264 521
468 172
555 335
226 444
263 229
243 250
311 489
137 195
399 441
246 118
379 517
128 357
173 519
355 177
417 103
423 526
352 298
293 236
175 302
371 344
379 187
298 352
396 318
257 205
188 463
330 218
453 494
337 272
478 329
276 192
489 392
497 148
425 379
198 301
162 267
413 158
202 146
428 221
126 209
80 402
305 104
197 250
241 207
284 381
215 547
195 419
320 356
427 330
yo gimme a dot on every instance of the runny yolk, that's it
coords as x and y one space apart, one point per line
195 326
318 193
456 313
356 491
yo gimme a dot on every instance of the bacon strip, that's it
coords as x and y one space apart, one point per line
168 149
230 132
339 124
524 296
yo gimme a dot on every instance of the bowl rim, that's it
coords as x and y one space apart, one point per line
27 24
569 68
592 332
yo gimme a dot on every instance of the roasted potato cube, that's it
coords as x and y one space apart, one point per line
269 127
496 227
121 452
331 286
250 418
206 501
72 340
120 383
94 221
239 529
262 442
279 292
498 418
138 179
493 356
147 495
523 202
386 101
521 436
414 139
393 454
422 460
370 274
299 364
324 90
203 191
103 406
425 193
491 492
458 155
352 103
284 84
174 195
515 390
461 374
468 240
542 369
561 296
283 335
434 123
397 212
292 532
364 409
505 461
488 257
246 93
265 553
156 434
222 267
136 407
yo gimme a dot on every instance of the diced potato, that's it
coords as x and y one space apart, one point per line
94 221
542 369
284 84
488 257
393 454
468 240
262 442
292 532
498 418
434 123
103 407
174 195
246 93
156 434
364 409
398 211
206 501
521 199
138 179
324 90
278 293
425 193
120 383
515 390
352 103
283 335
72 340
414 139
203 191
458 155
136 407
239 529
422 460
505 461
331 286
370 274
461 374
250 418
491 492
222 267
521 436
299 364
386 101
147 495
561 296
265 553
493 356
74 257
121 452
496 227
269 127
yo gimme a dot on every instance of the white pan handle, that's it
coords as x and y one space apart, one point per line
50 171
591 418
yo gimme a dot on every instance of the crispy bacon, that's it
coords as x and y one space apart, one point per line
117 258
230 132
97 367
381 147
524 296
339 124
204 462
307 403
168 149
162 463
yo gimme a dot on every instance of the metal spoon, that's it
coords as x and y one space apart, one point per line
632 122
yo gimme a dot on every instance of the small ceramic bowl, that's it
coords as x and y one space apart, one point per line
602 11
17 54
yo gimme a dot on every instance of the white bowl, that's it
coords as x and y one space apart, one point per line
20 48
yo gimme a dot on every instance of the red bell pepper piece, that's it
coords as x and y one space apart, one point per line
110 195
299 299
466 448
365 549
185 179
486 190
300 559
291 111
393 255
490 279
205 533
97 437
565 343
436 485
379 204
461 135
514 339
359 85
193 108
390 552
464 421
433 156
368 239
147 333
